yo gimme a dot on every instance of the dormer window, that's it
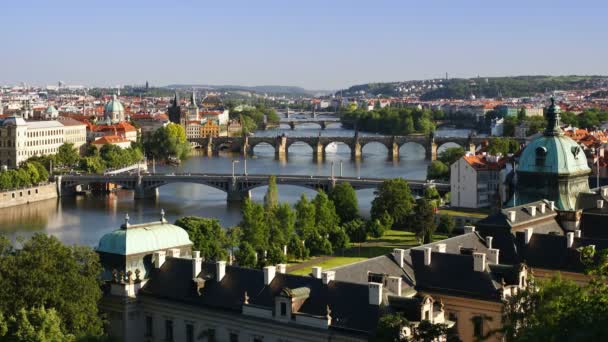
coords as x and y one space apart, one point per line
541 155
575 151
283 309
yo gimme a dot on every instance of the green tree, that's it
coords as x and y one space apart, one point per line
168 142
356 230
423 220
438 170
253 225
451 155
92 164
503 146
393 196
271 199
246 255
70 276
67 155
390 327
344 197
207 236
36 324
446 224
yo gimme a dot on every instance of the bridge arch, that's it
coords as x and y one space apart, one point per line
412 151
333 124
336 148
447 144
262 148
303 146
307 124
374 149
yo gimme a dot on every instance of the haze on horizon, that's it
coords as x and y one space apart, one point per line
313 44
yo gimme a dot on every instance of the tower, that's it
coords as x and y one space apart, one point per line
175 110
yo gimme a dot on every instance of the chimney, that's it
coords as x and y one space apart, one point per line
512 216
528 234
427 255
394 285
173 253
532 210
328 276
551 205
577 233
375 293
282 268
316 271
543 207
469 229
489 241
440 247
569 239
399 254
220 270
600 204
493 256
269 273
605 191
159 259
196 263
479 262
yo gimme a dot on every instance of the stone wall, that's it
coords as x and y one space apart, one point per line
21 196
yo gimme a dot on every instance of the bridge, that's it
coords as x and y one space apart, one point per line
237 187
293 123
281 144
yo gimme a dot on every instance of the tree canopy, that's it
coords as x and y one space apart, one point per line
394 197
345 200
168 142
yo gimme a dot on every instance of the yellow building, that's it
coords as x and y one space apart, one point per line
210 129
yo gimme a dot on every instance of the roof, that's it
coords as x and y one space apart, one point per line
485 163
348 302
563 156
113 106
43 124
143 238
110 139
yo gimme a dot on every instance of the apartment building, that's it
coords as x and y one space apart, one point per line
475 180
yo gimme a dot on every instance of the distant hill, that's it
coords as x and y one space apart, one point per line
264 89
490 87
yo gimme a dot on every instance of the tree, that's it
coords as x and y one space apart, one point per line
431 194
345 200
356 230
446 224
394 197
271 199
561 310
281 224
438 170
423 220
503 146
246 256
390 328
253 225
168 142
36 324
92 164
71 282
451 155
207 236
67 155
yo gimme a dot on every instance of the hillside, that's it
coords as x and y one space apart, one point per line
263 89
459 88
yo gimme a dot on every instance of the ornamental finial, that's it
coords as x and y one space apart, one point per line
126 224
162 216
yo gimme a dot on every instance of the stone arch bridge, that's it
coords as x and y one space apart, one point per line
281 144
323 123
237 187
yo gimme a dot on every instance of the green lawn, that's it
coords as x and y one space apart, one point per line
478 213
371 248
327 264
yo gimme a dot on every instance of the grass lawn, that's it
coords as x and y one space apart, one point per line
478 213
373 247
327 264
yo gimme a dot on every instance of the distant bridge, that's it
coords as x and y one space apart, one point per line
293 123
281 144
237 187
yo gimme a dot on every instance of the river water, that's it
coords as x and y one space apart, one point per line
84 219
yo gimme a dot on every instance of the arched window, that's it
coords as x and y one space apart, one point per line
541 156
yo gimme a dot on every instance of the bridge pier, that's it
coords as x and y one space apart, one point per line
431 152
235 194
393 152
318 153
292 125
355 151
142 193
323 125
280 147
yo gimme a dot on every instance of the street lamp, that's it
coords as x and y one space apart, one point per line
332 170
245 165
233 163
340 168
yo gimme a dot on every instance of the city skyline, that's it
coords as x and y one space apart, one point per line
313 45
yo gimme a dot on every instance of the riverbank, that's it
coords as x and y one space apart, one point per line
16 197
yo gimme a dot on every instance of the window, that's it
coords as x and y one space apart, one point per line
234 337
541 155
168 330
427 315
283 309
477 326
149 327
189 333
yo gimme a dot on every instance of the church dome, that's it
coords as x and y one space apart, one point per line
114 110
144 238
553 152
51 112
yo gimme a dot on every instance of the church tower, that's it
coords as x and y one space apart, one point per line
175 110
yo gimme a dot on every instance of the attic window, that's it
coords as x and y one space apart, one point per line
541 155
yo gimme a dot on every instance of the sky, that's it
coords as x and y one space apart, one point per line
315 44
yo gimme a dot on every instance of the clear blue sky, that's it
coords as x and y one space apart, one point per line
315 44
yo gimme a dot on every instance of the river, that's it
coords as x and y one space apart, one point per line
84 219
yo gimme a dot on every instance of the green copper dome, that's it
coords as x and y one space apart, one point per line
114 110
143 238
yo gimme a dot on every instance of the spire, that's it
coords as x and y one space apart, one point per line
176 100
553 117
193 99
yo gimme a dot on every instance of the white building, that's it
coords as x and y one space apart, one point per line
20 139
475 181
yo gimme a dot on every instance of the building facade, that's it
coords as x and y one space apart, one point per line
475 181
